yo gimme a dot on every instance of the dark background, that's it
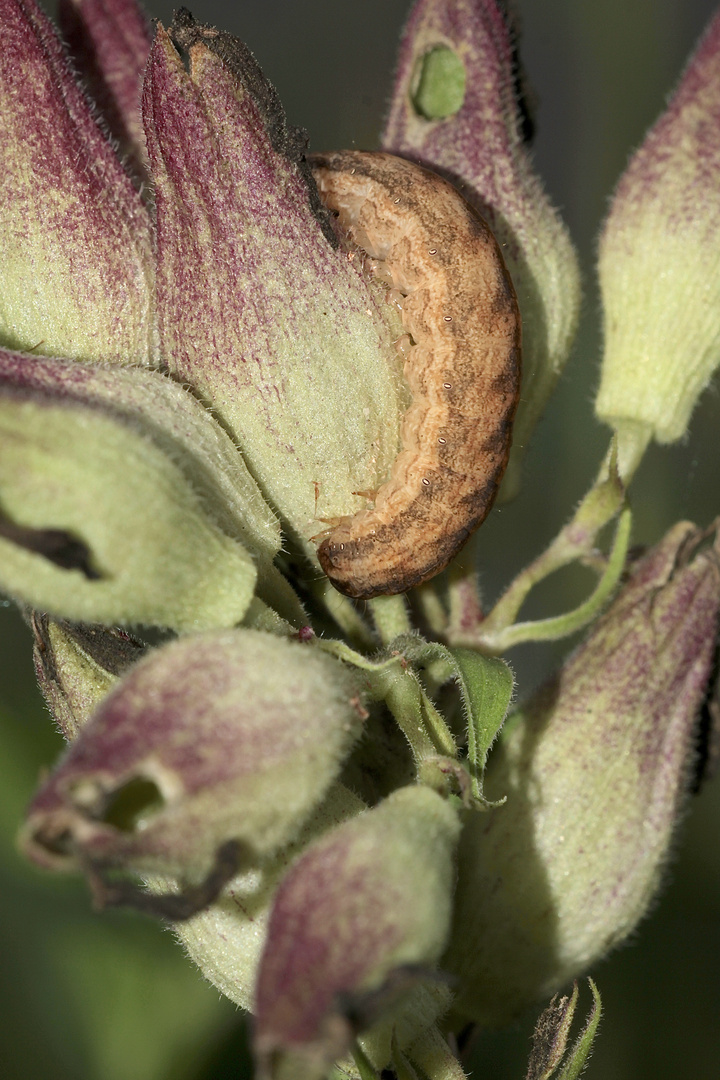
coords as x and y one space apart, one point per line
90 997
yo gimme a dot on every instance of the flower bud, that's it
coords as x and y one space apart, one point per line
74 234
260 308
370 897
226 736
660 264
226 938
595 767
110 44
455 109
84 453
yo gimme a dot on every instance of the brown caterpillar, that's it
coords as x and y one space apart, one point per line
462 365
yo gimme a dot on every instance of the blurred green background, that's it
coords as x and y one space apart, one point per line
110 997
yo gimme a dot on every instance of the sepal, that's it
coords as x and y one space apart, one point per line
75 236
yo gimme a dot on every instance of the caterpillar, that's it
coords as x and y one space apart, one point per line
462 364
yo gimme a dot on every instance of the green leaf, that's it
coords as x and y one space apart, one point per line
583 1044
486 686
550 1036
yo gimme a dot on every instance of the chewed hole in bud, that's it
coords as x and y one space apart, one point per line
438 83
126 807
60 845
130 806
56 545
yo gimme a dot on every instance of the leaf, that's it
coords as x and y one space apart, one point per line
583 1044
550 1036
486 686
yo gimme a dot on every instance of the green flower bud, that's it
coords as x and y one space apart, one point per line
85 453
226 736
368 898
660 266
595 767
455 109
259 307
74 233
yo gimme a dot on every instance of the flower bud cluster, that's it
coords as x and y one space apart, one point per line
192 395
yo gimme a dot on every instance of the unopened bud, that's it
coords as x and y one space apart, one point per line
226 736
260 308
78 267
368 899
594 767
660 265
455 109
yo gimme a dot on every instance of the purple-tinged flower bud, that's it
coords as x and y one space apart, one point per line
595 768
226 938
456 109
75 237
109 43
226 737
260 308
370 897
660 266
77 666
85 452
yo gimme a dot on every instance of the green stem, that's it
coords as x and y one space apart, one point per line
391 617
404 698
427 601
434 1057
562 625
575 541
275 592
344 613
394 681
437 728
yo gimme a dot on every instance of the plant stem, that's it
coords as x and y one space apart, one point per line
391 617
